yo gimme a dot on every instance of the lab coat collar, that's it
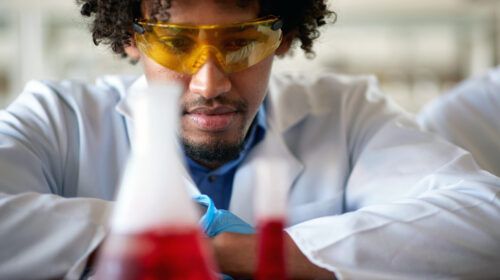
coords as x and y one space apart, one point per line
272 151
123 107
288 103
286 107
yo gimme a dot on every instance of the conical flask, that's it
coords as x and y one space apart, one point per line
154 229
270 213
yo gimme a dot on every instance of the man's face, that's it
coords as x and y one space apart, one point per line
217 108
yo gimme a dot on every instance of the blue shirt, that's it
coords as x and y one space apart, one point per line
218 183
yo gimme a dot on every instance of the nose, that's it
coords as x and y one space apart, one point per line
209 81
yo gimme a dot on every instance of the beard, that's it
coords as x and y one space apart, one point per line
212 154
214 151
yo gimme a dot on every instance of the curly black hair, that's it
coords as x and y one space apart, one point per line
112 19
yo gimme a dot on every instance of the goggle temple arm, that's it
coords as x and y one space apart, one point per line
137 14
277 25
138 27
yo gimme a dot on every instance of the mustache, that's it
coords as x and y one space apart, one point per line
239 104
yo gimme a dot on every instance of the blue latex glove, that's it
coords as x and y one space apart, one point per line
215 221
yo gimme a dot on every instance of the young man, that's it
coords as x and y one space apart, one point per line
370 196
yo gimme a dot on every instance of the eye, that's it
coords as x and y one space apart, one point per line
237 44
178 44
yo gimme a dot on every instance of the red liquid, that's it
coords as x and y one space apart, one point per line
156 254
271 254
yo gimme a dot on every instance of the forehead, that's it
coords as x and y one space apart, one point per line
232 4
203 11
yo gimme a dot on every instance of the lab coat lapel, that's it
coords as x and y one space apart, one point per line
282 115
288 103
242 199
124 107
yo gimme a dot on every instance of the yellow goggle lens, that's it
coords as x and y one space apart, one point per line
185 48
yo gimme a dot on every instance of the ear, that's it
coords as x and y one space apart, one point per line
132 51
285 45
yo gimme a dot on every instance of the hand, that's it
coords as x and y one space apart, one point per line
215 221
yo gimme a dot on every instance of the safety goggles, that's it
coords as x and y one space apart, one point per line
185 48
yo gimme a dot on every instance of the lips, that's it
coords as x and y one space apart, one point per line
219 110
212 119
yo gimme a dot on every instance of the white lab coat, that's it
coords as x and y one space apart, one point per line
469 116
370 196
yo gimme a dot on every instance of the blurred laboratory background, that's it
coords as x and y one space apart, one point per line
417 49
